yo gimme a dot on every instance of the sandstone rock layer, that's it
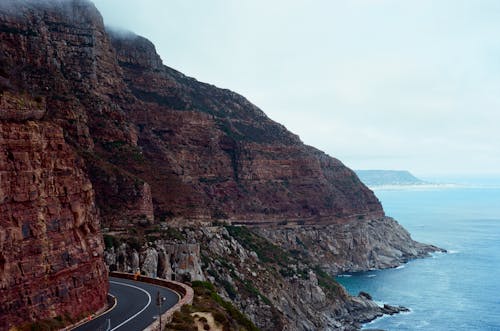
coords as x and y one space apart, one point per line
50 243
159 144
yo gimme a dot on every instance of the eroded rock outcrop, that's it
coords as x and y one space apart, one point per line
50 242
173 261
275 289
352 245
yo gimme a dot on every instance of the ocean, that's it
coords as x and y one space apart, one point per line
459 290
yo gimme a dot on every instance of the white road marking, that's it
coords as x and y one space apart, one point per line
140 311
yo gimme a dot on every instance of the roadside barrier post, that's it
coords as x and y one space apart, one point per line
159 301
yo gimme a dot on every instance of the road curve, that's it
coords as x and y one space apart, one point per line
135 308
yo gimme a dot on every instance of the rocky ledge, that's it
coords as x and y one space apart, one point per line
278 287
351 246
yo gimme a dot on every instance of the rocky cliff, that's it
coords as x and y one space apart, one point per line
378 243
149 133
162 149
278 289
208 153
50 243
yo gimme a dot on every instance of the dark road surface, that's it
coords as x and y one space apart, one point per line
135 309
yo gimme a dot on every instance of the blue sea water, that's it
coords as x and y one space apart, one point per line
459 290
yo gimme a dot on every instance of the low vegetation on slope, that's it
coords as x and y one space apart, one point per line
206 300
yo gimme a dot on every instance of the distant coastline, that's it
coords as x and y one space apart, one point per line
425 186
400 180
388 180
389 177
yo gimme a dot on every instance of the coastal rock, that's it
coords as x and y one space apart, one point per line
351 246
391 310
50 241
276 292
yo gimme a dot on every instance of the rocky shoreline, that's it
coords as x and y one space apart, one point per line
361 245
277 285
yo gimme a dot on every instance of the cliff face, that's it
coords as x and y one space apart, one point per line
59 51
79 103
51 246
218 156
151 134
50 243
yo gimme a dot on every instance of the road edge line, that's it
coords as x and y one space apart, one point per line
99 314
140 311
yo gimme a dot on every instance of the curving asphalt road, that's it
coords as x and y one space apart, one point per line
135 309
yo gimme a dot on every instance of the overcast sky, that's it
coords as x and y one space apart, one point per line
379 84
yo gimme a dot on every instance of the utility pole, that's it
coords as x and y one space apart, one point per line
159 301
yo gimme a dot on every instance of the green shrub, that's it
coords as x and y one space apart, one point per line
328 283
110 241
266 251
173 233
200 284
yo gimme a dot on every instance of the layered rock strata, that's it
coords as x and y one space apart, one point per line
159 146
211 154
50 242
205 153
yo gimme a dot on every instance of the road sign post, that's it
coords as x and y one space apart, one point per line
159 301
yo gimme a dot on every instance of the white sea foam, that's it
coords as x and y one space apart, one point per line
435 255
400 267
376 320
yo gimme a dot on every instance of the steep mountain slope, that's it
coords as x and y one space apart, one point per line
219 156
206 152
161 150
51 261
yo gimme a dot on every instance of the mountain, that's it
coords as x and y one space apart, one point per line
97 133
388 177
